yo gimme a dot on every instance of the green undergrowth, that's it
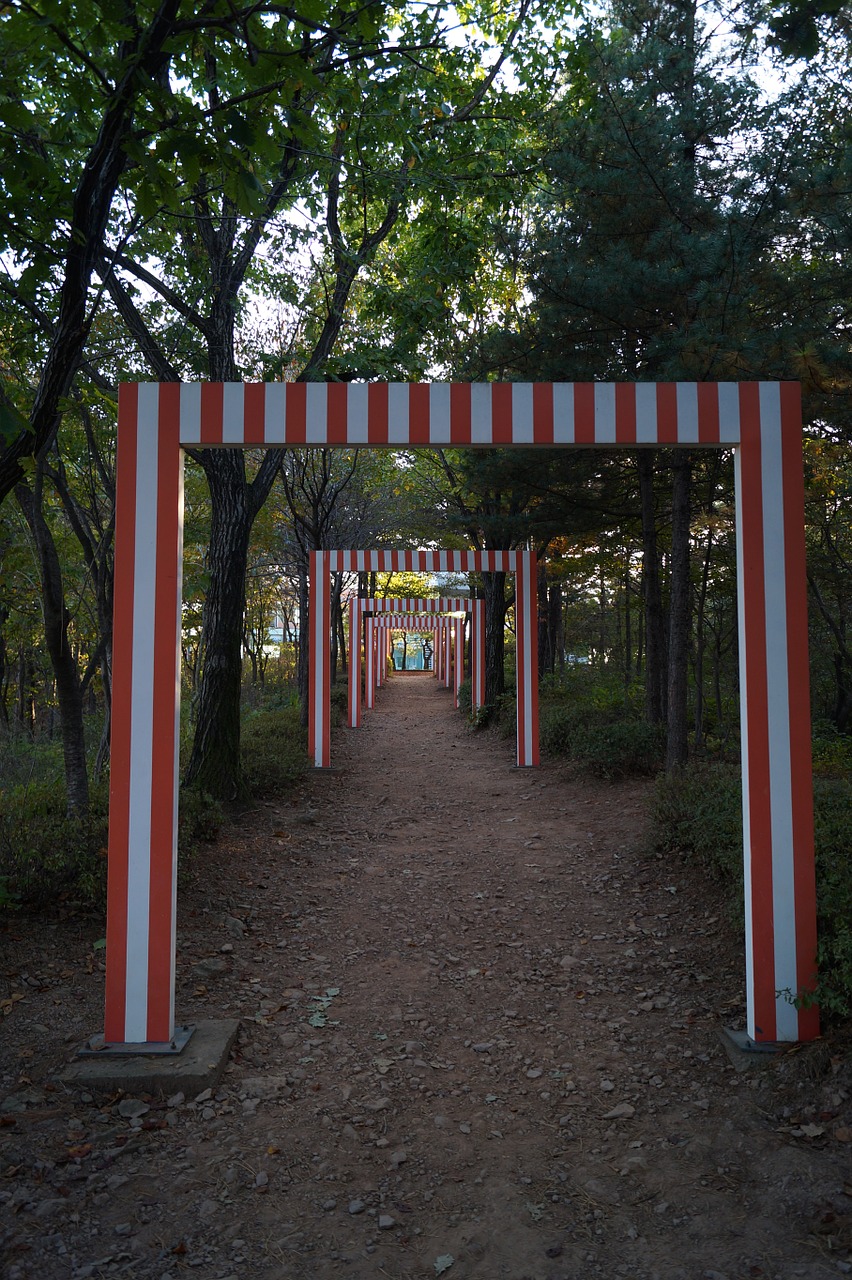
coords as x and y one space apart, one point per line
273 750
48 857
588 716
697 811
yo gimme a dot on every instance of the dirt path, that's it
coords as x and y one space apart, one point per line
479 1036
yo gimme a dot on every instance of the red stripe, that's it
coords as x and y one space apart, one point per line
419 418
460 413
800 710
296 413
501 413
708 412
122 677
584 413
753 597
337 412
543 412
625 412
667 413
160 946
377 413
212 396
254 413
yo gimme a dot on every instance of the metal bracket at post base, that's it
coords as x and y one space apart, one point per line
97 1047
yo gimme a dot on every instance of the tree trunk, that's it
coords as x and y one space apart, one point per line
66 674
652 594
677 748
303 664
545 661
554 625
494 590
214 765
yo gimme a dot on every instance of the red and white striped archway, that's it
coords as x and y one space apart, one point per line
360 607
324 563
363 606
449 632
760 421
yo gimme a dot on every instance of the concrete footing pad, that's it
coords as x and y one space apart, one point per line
746 1053
198 1066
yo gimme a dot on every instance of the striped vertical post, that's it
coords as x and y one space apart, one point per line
458 628
448 654
370 655
142 888
780 894
526 641
355 612
319 666
477 644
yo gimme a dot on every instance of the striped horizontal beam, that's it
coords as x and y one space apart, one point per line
400 414
416 604
422 561
412 621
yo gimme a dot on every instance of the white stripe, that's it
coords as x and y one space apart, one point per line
522 413
439 413
275 412
646 413
563 413
778 699
480 413
729 413
141 718
233 413
316 413
357 417
190 412
604 413
398 413
687 412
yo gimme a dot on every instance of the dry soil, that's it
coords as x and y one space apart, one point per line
479 1037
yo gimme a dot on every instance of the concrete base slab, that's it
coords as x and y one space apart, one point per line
198 1066
746 1053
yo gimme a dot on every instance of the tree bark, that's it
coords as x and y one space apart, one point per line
494 590
65 671
652 594
214 765
680 599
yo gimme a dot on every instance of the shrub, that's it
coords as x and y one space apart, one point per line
45 855
619 749
273 750
588 717
833 839
698 810
339 703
